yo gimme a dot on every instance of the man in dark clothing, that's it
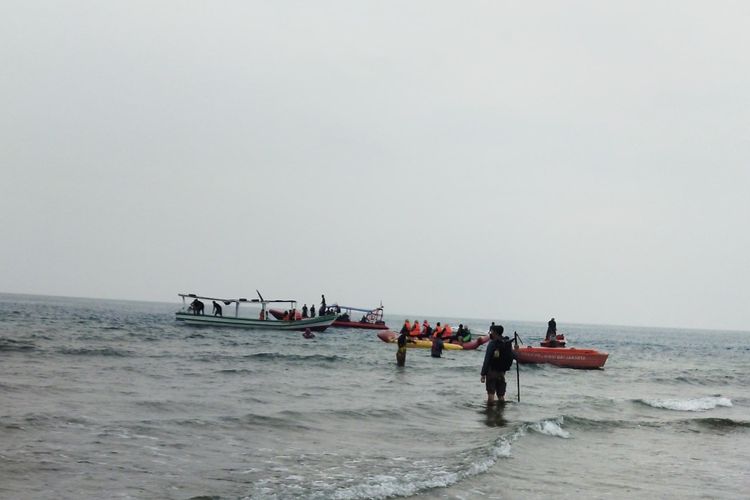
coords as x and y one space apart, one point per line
497 360
312 311
217 309
401 352
551 329
322 305
304 311
437 347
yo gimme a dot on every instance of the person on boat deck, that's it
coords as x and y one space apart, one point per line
437 347
217 309
322 305
551 329
197 307
312 311
497 360
414 332
304 311
438 331
426 330
286 316
466 336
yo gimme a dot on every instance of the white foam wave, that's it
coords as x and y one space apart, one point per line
411 483
551 428
695 404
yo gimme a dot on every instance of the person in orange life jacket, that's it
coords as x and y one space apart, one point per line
414 332
437 347
407 326
497 360
438 331
426 330
447 332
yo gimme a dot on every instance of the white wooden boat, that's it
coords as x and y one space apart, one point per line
195 312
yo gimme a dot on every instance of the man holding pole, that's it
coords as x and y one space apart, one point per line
497 360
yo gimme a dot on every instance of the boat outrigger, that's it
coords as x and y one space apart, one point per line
554 352
193 314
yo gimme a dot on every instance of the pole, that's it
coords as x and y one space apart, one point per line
518 373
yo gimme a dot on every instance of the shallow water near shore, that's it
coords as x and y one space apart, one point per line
115 399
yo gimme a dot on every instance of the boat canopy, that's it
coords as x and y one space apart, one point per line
348 308
240 300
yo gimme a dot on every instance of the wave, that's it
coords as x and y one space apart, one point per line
91 351
722 424
7 344
275 356
550 428
695 404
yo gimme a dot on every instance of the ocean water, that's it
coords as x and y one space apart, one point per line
108 399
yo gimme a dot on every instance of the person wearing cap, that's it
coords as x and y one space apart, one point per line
497 360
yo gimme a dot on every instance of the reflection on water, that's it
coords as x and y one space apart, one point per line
494 415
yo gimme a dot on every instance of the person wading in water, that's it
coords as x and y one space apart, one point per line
497 360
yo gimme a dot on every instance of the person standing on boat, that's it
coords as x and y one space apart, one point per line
497 360
304 311
551 329
322 305
312 311
197 307
217 309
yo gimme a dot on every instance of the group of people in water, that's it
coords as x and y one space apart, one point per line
498 357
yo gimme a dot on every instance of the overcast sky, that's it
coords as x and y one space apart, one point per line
514 160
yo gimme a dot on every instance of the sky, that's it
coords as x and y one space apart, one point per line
585 160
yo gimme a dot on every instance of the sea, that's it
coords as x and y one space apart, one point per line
113 399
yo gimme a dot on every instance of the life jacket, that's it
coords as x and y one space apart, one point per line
438 331
415 328
447 331
466 337
407 325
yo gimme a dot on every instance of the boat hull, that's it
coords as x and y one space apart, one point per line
315 324
567 357
359 325
391 338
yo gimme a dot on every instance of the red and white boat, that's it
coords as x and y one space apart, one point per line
554 352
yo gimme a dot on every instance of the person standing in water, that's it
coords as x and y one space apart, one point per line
437 347
401 352
497 360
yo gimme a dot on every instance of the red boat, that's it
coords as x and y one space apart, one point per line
372 319
554 352
391 338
